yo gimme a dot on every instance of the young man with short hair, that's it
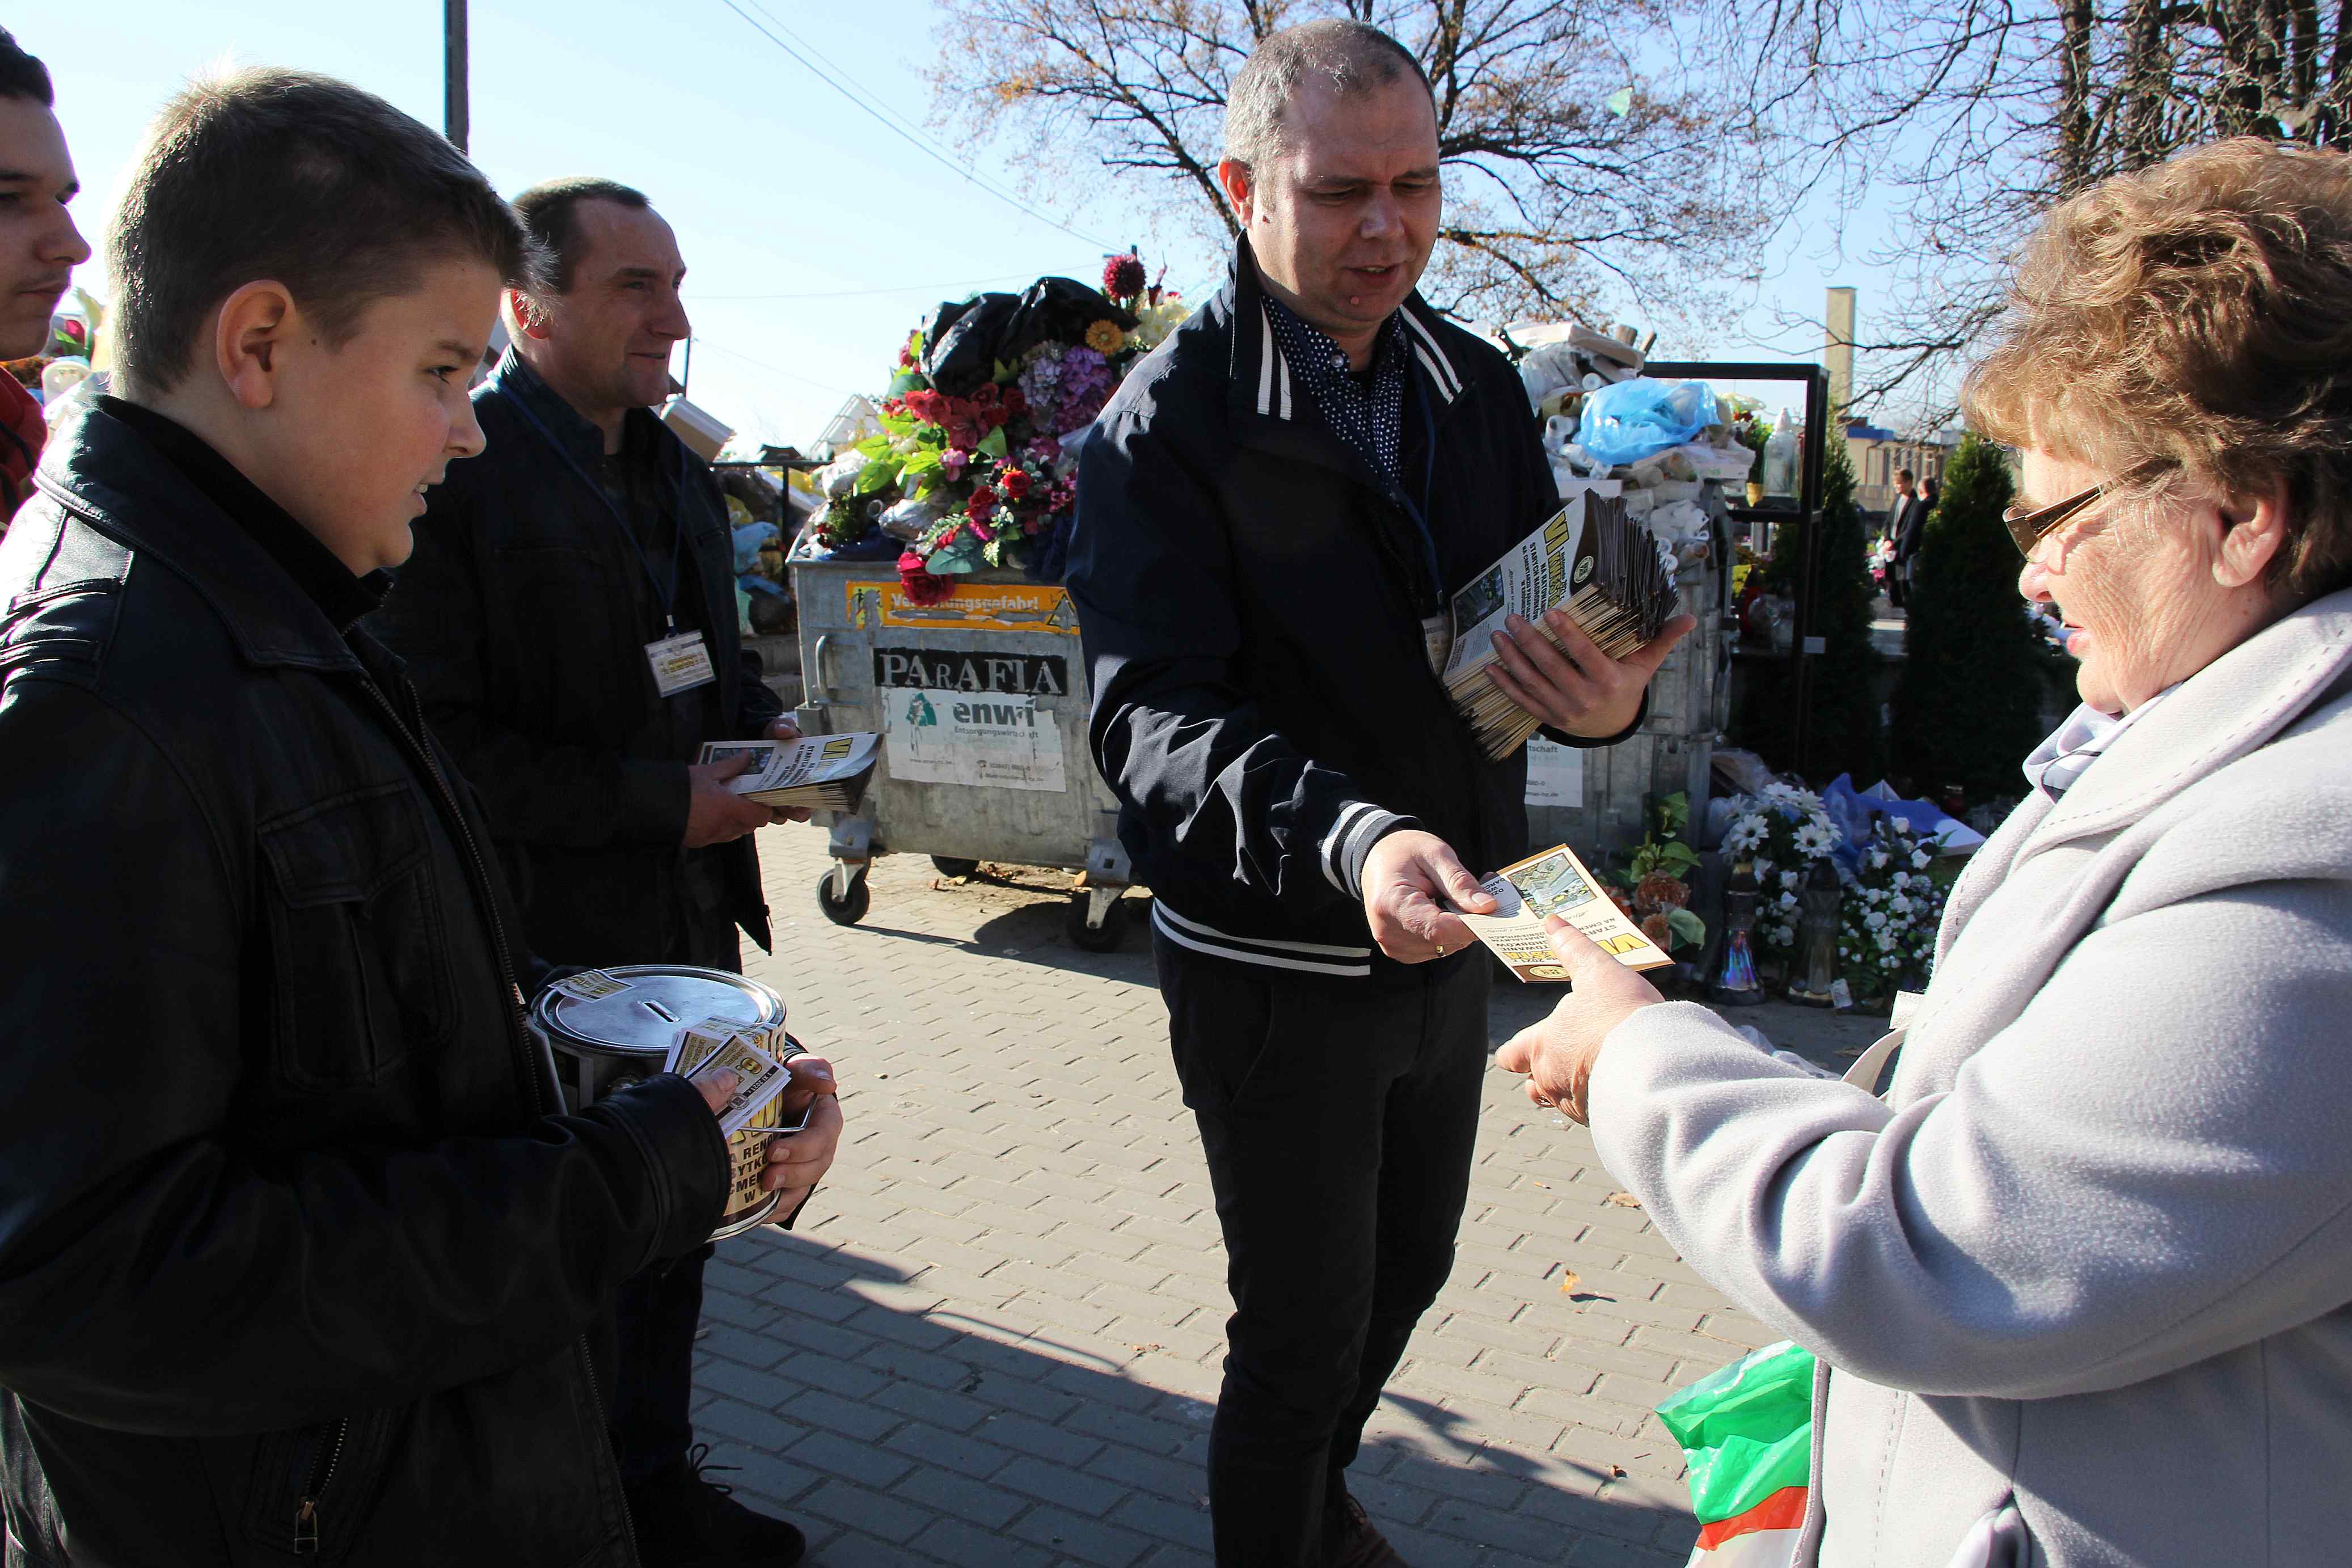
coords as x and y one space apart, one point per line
297 1248
39 249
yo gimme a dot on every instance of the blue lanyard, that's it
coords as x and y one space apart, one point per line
665 594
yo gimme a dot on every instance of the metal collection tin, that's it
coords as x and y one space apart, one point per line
604 1045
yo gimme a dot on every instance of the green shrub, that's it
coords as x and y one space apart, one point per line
1843 730
1969 706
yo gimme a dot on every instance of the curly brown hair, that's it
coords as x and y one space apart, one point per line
2198 312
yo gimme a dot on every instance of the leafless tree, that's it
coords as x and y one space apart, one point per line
1586 170
1975 117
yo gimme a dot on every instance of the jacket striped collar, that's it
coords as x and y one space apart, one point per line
1261 372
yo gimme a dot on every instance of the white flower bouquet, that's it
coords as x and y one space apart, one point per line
1782 830
1887 920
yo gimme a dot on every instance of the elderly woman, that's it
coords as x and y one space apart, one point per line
2078 1283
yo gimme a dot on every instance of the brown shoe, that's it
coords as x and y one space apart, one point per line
1361 1545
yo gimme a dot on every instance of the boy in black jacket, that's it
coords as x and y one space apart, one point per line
296 1245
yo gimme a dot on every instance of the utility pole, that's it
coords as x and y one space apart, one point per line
454 116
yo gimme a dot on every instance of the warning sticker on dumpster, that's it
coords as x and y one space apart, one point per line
969 606
997 742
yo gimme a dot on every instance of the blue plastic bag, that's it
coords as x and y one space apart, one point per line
1852 809
748 537
1628 421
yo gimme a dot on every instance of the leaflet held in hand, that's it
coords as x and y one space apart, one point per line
1607 572
749 1049
821 772
1556 883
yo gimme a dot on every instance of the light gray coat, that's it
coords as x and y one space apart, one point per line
2091 1255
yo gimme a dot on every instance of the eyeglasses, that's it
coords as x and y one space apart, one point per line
2029 528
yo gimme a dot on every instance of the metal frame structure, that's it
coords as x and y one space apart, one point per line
1805 517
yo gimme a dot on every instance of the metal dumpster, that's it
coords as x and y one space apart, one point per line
981 701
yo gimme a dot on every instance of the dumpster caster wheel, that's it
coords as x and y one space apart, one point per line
1103 938
843 910
949 867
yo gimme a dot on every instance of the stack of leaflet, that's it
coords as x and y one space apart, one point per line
821 772
1609 573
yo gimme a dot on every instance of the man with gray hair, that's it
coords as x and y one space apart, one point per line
1274 513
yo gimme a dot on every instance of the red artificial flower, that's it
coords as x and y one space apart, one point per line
1015 482
928 406
1123 276
983 502
920 585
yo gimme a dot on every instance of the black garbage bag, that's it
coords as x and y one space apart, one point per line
967 338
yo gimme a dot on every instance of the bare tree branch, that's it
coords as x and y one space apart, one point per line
1587 169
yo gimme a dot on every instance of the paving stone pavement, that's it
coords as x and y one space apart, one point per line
995 1337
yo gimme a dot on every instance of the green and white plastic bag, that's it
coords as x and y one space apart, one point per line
1747 1432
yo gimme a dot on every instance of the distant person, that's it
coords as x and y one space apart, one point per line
1273 514
39 249
1907 525
569 618
297 1248
2080 1285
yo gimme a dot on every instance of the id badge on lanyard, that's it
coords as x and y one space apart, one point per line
681 662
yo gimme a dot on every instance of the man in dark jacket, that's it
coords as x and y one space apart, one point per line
1907 525
569 616
296 1247
1272 513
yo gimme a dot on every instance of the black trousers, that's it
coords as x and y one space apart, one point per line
651 1354
1338 1118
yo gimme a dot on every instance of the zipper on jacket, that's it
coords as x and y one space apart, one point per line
596 1399
323 1472
526 1062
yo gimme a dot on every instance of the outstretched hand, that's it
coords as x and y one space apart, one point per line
1560 1054
1412 882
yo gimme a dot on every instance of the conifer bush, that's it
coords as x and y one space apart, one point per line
1843 730
1968 708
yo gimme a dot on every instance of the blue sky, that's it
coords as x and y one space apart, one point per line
814 238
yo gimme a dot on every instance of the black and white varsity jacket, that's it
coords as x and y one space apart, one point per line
1251 596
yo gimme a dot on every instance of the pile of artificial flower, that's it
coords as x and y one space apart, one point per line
1783 831
976 463
1654 890
1888 919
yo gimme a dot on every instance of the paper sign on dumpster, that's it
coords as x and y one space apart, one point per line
946 737
968 607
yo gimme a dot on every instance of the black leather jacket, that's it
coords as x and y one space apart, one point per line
524 615
295 1247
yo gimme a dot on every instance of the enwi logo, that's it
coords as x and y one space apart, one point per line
920 713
